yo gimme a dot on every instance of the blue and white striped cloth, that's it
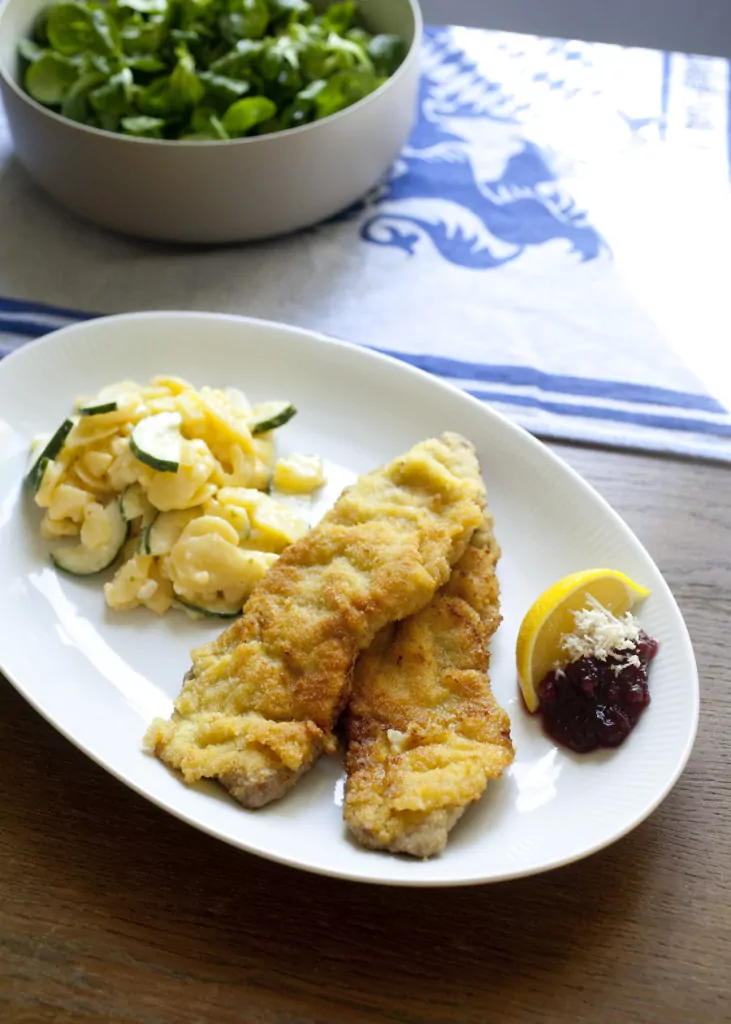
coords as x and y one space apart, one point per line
515 250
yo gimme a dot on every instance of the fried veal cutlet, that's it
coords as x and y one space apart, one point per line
425 733
260 702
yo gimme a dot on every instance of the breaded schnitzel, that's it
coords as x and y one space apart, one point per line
424 730
260 702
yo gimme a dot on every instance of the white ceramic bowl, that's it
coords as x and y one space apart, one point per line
214 191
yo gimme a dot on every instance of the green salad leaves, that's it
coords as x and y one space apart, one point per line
203 69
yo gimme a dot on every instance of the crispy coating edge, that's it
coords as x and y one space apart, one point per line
400 747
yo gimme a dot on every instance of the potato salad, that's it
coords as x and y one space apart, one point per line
179 485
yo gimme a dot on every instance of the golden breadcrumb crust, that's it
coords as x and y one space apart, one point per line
425 733
260 702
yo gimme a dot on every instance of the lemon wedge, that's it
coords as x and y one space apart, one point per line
550 618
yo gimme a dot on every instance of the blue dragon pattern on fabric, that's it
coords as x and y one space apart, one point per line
436 193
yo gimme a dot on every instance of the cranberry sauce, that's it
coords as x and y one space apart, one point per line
592 703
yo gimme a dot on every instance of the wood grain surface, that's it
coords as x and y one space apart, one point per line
112 911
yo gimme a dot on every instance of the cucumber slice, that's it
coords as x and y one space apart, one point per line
82 561
165 531
35 452
216 610
40 470
109 399
135 504
143 544
38 463
156 441
98 410
270 415
48 453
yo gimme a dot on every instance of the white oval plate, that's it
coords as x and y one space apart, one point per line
100 677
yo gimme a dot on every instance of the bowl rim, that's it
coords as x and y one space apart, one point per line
411 58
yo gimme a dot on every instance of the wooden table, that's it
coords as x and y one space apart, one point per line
112 911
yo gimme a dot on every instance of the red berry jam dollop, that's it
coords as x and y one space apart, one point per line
597 698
